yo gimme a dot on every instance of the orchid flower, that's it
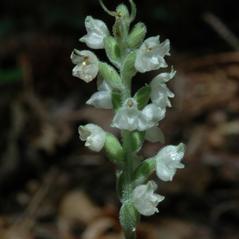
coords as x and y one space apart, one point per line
145 200
96 32
93 135
86 65
150 56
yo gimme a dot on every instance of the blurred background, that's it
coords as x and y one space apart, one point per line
52 187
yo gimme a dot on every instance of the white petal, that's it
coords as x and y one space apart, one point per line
127 116
164 48
96 32
160 94
165 173
168 160
93 135
150 56
163 77
103 86
174 153
145 200
101 99
153 114
86 65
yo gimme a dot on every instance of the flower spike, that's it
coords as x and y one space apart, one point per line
137 113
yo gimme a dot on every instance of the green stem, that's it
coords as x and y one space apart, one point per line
128 167
128 176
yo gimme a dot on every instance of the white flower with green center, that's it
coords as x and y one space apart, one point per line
160 93
145 200
93 135
168 160
96 32
87 65
150 56
128 117
102 98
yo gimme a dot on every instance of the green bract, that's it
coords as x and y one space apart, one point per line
112 50
113 149
137 35
110 75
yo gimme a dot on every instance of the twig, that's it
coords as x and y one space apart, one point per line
223 31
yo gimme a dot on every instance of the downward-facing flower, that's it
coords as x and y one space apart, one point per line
168 160
150 56
93 135
145 200
160 93
96 32
86 65
102 98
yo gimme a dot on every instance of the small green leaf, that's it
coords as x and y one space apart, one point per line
142 96
128 218
137 140
128 68
137 35
113 149
112 50
134 140
110 75
116 99
144 170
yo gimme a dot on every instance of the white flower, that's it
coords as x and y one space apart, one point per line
93 135
96 32
128 117
102 98
150 56
145 200
160 93
86 65
168 160
152 113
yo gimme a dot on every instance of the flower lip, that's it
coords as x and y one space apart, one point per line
145 200
168 160
86 65
129 117
93 135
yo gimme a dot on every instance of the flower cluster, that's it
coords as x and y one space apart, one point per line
137 116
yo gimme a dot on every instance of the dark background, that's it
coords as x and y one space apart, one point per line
51 186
